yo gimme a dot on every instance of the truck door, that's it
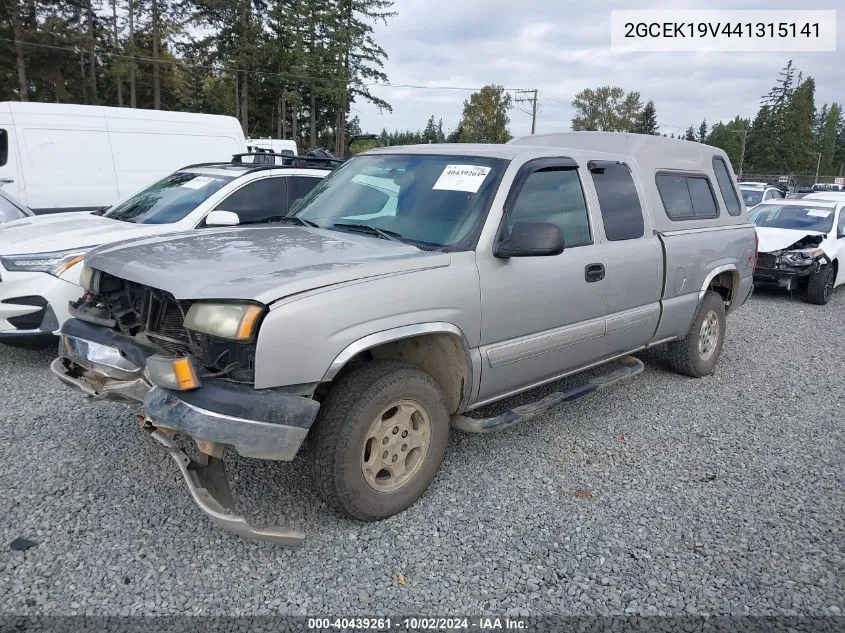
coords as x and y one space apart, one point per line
634 259
542 316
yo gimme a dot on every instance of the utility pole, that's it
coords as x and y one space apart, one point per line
533 100
818 164
742 151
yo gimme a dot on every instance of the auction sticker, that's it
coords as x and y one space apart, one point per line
198 182
462 178
819 213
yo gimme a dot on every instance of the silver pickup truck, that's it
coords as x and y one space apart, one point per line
412 286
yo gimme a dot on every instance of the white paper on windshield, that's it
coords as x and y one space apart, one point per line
462 178
198 182
819 213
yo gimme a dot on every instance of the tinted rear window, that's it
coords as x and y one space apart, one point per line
726 186
687 196
621 212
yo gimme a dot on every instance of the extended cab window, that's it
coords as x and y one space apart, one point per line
554 195
687 196
258 201
621 211
726 186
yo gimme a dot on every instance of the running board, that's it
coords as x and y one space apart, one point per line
630 367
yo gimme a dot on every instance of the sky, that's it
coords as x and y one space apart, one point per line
561 47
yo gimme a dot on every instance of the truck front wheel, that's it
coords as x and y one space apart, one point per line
380 439
698 352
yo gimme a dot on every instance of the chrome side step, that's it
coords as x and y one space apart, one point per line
630 367
210 490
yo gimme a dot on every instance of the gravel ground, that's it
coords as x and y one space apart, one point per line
662 495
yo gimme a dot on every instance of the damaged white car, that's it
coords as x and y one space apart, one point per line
800 246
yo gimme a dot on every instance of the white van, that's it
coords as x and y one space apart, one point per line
277 145
61 157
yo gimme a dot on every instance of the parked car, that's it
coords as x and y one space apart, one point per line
11 209
828 195
801 244
64 157
40 257
423 283
753 193
827 186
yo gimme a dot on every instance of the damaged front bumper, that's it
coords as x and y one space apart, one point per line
784 276
259 423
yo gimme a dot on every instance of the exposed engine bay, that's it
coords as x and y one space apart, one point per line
155 318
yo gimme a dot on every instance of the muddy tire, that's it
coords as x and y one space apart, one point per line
698 352
820 285
380 439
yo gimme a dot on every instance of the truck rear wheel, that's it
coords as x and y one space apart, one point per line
380 439
698 352
820 285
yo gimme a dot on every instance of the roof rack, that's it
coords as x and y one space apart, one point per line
290 161
278 160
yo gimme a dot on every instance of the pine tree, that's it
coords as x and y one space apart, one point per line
361 58
646 122
690 134
702 132
827 138
796 146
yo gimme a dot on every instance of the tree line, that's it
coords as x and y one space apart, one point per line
788 135
288 69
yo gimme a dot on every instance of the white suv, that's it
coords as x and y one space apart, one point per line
40 256
753 193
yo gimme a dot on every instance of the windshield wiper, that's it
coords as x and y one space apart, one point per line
393 236
294 219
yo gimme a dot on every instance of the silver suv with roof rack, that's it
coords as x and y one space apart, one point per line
41 256
422 283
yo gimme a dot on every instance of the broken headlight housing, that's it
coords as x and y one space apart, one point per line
233 321
799 258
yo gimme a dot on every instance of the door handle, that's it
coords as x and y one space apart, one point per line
594 272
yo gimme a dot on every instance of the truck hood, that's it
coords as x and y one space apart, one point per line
771 239
260 264
66 231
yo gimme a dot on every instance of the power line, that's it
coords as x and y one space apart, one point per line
222 69
533 101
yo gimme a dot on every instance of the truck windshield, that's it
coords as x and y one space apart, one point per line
428 200
169 200
804 218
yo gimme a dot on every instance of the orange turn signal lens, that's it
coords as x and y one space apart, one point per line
73 261
247 324
185 375
172 373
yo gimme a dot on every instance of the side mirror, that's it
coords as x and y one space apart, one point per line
531 239
222 218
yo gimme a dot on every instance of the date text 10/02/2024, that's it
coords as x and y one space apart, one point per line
416 624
